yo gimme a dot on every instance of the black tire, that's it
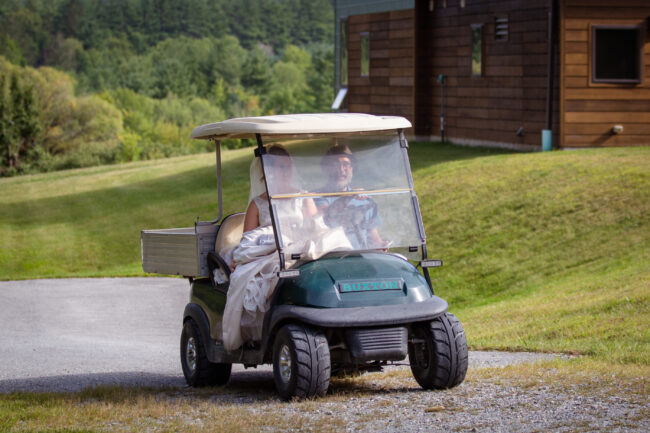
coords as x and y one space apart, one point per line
198 371
439 356
301 362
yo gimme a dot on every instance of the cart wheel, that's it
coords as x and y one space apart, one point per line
198 371
301 362
439 354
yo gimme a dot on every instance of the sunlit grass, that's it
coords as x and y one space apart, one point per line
87 222
546 252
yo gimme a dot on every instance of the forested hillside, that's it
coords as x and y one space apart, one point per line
87 82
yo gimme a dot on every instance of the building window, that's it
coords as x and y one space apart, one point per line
616 54
477 50
501 28
365 54
343 72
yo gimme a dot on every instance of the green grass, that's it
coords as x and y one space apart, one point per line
543 252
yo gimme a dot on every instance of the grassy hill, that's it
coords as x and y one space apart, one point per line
542 251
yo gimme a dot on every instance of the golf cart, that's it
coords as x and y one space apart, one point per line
347 295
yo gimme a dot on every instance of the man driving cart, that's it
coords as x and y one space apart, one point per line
357 214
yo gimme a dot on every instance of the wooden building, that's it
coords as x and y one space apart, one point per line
500 71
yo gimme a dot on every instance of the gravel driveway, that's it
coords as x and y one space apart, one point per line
68 334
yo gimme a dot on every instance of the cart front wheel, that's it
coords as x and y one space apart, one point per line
438 353
197 369
301 362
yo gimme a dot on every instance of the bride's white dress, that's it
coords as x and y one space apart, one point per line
256 257
255 277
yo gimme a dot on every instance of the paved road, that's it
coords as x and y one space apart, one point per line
68 334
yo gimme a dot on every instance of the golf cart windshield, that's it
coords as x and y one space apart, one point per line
342 193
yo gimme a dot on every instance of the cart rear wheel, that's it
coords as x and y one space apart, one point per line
198 371
301 362
438 355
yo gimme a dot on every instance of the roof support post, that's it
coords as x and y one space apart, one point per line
217 144
276 226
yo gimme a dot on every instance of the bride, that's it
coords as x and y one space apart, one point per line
255 261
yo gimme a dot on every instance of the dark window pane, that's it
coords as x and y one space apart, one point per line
616 54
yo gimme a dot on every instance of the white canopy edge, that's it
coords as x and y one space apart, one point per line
316 123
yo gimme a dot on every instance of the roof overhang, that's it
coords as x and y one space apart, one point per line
291 124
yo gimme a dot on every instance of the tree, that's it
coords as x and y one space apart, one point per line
6 129
256 72
289 91
69 18
66 54
320 78
246 22
229 56
25 27
11 50
19 123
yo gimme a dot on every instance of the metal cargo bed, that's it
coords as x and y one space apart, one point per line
178 251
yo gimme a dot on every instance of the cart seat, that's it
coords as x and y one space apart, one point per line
229 233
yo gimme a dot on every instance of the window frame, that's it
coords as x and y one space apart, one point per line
592 54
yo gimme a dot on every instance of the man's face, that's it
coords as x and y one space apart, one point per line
339 171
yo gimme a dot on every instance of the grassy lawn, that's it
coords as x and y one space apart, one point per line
544 252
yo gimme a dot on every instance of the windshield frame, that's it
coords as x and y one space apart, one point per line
261 150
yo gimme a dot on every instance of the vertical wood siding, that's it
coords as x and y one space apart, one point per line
589 110
389 87
511 93
409 48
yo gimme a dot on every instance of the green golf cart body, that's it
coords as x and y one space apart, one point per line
354 307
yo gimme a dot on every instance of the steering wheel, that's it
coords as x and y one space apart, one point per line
354 214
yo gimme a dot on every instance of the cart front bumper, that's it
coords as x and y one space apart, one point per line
383 315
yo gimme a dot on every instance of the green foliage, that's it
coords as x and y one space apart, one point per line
289 91
10 50
156 128
256 71
160 68
45 126
26 28
146 22
19 123
67 54
320 78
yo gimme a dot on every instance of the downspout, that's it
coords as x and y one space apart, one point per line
547 134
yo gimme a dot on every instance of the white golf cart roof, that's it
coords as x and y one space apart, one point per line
289 124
